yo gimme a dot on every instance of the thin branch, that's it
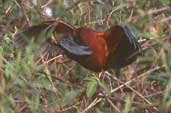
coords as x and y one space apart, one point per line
111 103
54 58
96 100
156 11
117 8
136 92
24 12
165 19
46 4
138 77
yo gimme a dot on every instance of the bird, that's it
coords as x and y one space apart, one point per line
114 48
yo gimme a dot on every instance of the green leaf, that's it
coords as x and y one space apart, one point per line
91 87
1 10
104 87
7 43
45 82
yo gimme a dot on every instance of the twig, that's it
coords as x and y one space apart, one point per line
165 19
16 2
48 74
70 107
40 58
8 9
138 77
131 14
56 57
111 103
46 4
154 94
136 92
24 12
96 100
117 8
155 11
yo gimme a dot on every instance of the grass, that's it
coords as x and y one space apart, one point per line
62 85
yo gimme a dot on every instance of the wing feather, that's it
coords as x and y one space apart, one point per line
122 45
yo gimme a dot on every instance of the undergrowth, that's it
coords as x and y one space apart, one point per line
60 85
